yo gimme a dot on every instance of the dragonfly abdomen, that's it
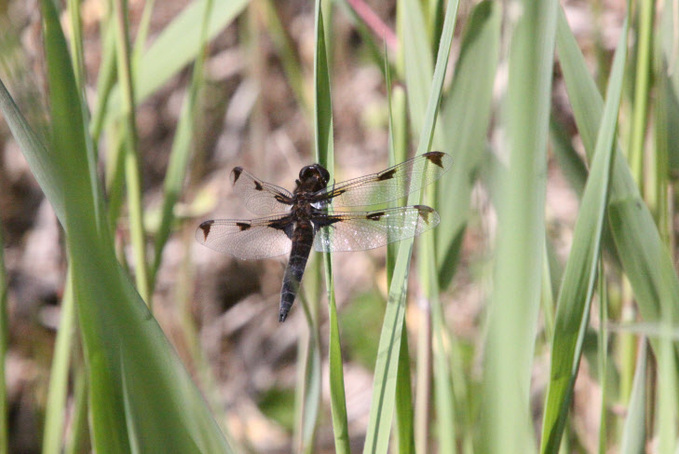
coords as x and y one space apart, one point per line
302 240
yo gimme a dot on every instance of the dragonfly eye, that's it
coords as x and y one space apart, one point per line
314 172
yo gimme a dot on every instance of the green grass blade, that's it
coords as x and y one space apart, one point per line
44 168
634 432
123 343
52 442
76 42
419 66
398 153
570 163
289 59
132 169
106 79
325 156
643 70
506 420
308 389
602 332
77 441
577 288
644 257
386 367
466 117
443 385
666 417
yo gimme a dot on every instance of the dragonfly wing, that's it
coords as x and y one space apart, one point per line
259 196
390 184
357 231
256 239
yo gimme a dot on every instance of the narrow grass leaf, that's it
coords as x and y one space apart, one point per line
642 72
634 431
668 83
466 116
78 435
386 367
53 442
419 65
666 406
288 57
578 285
443 385
132 167
644 257
106 79
325 156
506 418
397 153
42 165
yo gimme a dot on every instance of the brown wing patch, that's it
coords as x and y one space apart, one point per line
243 225
387 175
205 227
426 213
435 157
235 174
375 215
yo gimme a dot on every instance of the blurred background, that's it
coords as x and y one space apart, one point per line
255 110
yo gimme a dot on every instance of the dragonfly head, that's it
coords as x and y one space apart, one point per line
313 178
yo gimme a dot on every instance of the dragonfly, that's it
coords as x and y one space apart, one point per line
296 221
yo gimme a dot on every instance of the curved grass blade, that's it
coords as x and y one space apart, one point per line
124 346
577 288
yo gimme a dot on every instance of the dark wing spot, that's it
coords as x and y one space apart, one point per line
258 186
375 215
387 175
243 225
435 157
425 212
205 227
235 174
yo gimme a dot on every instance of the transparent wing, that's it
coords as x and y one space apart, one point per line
259 196
356 231
390 184
256 239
